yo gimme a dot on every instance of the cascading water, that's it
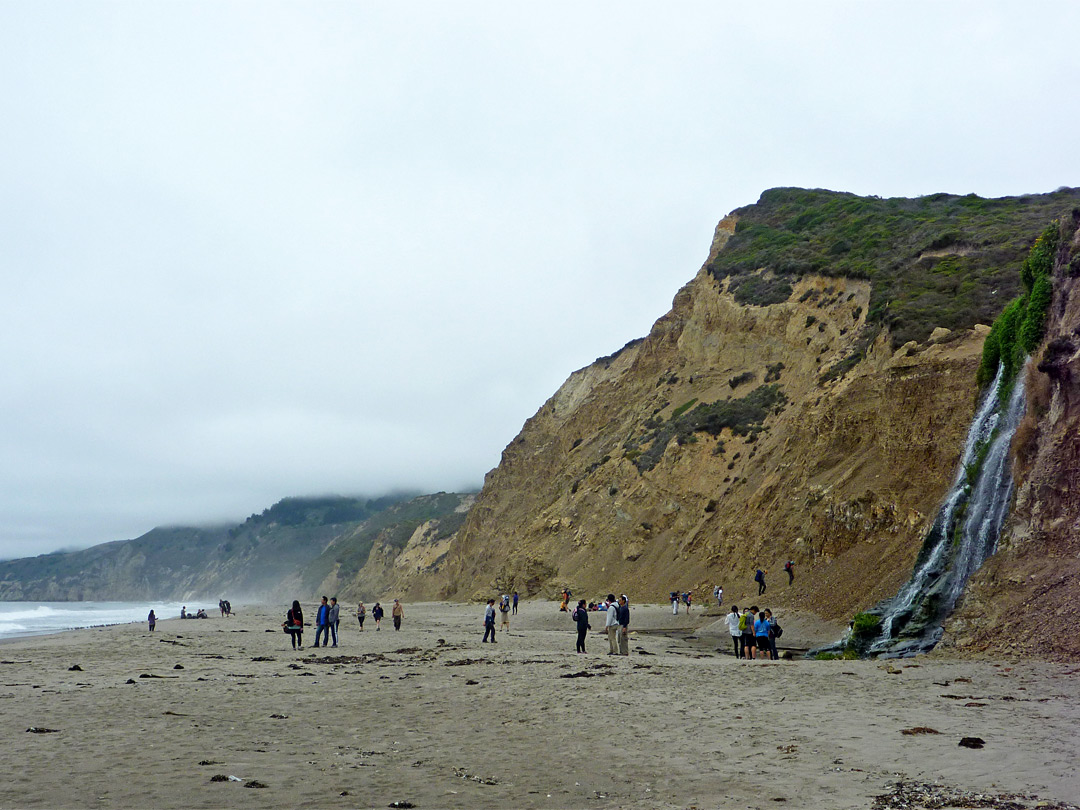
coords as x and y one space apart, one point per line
964 533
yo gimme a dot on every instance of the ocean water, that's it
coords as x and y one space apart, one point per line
38 618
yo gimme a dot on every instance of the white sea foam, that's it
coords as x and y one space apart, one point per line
37 618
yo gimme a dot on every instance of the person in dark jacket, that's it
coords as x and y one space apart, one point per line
489 622
322 624
294 625
623 614
334 616
581 616
377 614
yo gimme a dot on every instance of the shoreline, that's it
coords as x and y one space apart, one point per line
431 716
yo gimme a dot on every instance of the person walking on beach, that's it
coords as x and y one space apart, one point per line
322 624
688 597
759 578
623 612
733 629
334 613
504 609
377 614
581 616
612 625
361 614
489 622
397 612
294 625
515 603
789 567
151 620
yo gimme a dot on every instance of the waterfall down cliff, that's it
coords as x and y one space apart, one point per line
964 533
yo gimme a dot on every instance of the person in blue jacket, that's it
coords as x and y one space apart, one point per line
322 624
581 617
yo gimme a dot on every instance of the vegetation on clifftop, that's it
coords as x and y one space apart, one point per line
940 260
1019 329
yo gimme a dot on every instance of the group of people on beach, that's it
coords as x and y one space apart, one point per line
754 632
616 623
328 620
507 606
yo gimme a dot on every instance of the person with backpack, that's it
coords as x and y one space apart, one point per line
675 603
733 629
514 611
294 625
504 609
581 617
746 628
759 578
775 631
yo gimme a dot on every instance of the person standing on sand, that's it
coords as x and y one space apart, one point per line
504 609
688 597
789 567
581 616
515 603
612 625
397 612
746 627
623 611
322 624
674 603
151 620
489 622
361 614
335 612
733 629
775 630
718 592
294 625
759 578
761 634
377 614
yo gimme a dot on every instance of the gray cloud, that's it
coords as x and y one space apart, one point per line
252 251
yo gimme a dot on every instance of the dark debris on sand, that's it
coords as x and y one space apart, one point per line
922 796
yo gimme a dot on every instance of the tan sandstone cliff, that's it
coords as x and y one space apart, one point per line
844 479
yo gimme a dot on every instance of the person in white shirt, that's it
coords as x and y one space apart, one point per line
612 625
733 629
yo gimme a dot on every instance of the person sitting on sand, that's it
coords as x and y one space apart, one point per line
201 614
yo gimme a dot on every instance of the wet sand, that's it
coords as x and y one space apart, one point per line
432 717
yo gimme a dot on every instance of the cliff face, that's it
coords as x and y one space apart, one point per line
1026 598
610 487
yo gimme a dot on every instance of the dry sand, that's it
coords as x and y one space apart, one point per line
432 717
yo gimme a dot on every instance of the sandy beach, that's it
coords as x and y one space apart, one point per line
430 717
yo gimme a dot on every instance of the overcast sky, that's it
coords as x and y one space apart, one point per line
253 250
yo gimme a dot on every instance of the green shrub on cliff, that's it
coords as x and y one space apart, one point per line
939 260
1019 328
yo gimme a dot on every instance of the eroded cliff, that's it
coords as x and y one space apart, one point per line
605 488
